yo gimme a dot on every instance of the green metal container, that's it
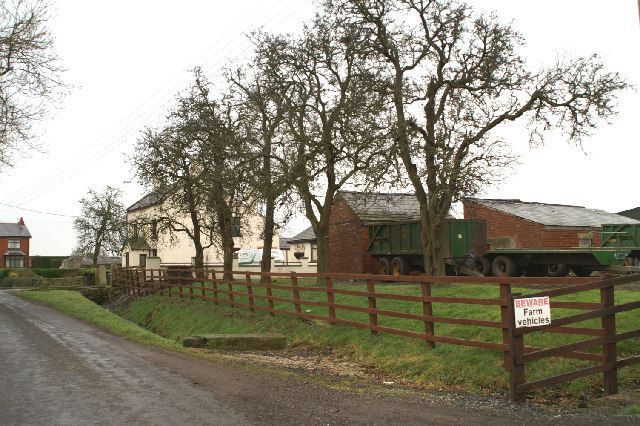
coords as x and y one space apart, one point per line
462 238
620 236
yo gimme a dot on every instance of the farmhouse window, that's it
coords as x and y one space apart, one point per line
14 261
14 244
126 259
154 229
314 252
143 260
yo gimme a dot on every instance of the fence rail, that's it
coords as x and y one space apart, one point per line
265 292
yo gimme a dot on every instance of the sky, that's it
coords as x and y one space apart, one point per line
127 60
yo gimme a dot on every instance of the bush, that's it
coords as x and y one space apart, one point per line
15 281
89 275
18 272
54 273
47 261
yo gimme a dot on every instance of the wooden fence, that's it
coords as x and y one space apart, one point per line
266 292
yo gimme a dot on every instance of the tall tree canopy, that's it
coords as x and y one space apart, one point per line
196 165
335 118
101 225
454 77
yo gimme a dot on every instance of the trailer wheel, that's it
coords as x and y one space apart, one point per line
399 267
382 268
483 265
557 270
582 271
504 266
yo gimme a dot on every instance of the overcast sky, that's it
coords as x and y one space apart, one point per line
127 60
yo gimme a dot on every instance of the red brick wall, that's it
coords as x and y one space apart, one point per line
24 247
526 234
348 241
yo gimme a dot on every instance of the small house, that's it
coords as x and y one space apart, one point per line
14 244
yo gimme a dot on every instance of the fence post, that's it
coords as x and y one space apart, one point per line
250 292
610 377
331 300
373 317
505 297
296 294
202 275
427 312
214 286
516 351
162 278
153 283
270 295
190 280
229 278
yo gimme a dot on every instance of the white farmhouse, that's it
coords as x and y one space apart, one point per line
152 249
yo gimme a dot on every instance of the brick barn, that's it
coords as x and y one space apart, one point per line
520 224
351 213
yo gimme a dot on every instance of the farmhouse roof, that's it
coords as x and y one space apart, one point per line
306 235
382 207
151 199
555 214
16 229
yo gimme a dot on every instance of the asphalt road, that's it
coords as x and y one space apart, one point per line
58 370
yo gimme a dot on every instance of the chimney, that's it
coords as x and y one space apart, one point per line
21 222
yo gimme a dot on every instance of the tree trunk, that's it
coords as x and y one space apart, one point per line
269 223
198 262
227 255
322 236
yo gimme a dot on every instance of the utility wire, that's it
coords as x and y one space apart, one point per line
133 126
37 211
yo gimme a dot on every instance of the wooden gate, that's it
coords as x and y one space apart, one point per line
608 362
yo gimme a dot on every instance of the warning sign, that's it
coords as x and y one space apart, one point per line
532 311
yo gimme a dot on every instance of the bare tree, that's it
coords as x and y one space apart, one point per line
101 225
454 78
259 96
334 118
196 165
29 71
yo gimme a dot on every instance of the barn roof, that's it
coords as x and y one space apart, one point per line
14 230
382 207
555 214
306 235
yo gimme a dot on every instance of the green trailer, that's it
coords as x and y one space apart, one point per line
397 246
398 250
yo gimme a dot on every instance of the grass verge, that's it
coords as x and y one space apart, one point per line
399 358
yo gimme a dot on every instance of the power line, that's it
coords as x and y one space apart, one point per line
37 211
134 121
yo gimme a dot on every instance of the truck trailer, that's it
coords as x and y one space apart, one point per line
398 250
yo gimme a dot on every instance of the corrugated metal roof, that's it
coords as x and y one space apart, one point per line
555 214
382 207
14 230
306 235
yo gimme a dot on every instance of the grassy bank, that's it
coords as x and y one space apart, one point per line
74 304
397 357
